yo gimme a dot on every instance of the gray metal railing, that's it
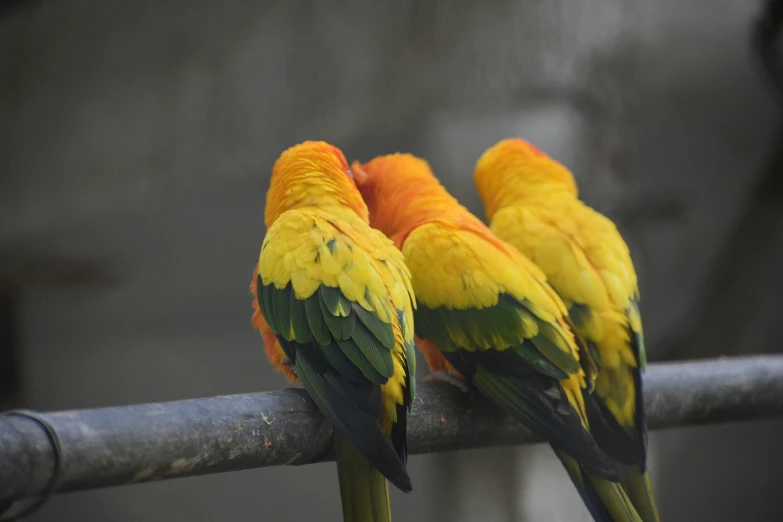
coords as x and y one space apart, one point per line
141 443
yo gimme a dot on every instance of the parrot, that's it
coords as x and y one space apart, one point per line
485 315
333 301
532 202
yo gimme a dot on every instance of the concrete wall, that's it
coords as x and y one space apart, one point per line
137 140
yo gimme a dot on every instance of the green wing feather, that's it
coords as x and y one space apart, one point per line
384 332
299 326
332 285
523 376
317 322
342 363
508 324
336 312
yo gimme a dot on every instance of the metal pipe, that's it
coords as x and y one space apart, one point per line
146 442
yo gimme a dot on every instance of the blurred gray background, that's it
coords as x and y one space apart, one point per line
137 139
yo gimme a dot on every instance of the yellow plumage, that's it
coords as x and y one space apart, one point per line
363 263
477 294
587 263
532 202
459 268
581 252
334 302
487 314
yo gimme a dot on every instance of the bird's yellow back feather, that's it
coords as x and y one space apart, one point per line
533 206
318 235
455 260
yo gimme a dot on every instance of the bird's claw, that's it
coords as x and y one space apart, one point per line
449 378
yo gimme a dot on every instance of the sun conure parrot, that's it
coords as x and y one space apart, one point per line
333 301
532 202
486 314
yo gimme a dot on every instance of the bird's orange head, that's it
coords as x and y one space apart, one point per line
312 174
514 170
401 193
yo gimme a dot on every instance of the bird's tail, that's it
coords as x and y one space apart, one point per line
363 490
607 501
637 484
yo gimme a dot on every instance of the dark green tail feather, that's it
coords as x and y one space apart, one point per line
363 490
614 498
628 450
606 501
533 400
637 484
539 402
349 407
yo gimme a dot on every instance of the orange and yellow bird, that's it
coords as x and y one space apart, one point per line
334 304
532 202
485 313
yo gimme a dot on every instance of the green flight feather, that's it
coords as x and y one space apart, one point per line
340 327
533 357
552 345
364 492
335 301
316 388
361 344
359 359
384 332
517 409
529 328
581 318
642 353
587 355
341 363
299 325
581 315
550 350
499 325
266 302
504 323
472 323
508 325
345 307
639 337
261 296
377 355
315 319
281 304
331 298
429 325
410 361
